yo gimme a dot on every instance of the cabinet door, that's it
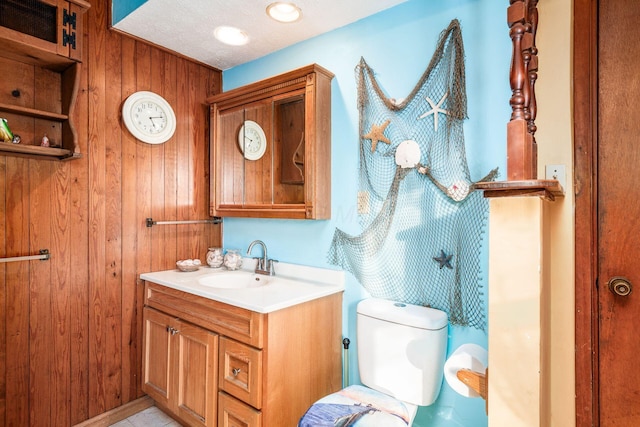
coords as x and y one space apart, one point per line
36 27
195 351
69 29
234 413
156 356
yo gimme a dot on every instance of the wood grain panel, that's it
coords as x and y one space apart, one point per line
79 257
285 355
170 251
157 167
47 94
70 327
259 191
143 168
130 346
17 76
60 301
231 162
98 309
40 336
17 279
3 294
181 137
197 154
113 221
17 314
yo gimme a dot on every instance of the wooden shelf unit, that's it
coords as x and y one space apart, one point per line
40 85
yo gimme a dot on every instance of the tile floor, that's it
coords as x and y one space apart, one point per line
150 417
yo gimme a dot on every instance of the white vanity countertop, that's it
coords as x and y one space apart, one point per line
293 284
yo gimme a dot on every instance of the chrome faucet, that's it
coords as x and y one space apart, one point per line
264 265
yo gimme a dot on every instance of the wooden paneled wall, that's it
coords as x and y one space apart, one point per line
70 327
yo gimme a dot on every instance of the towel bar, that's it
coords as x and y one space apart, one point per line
44 256
214 220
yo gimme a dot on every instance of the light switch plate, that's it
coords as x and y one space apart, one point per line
557 172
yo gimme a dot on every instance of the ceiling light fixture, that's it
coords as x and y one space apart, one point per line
231 36
284 12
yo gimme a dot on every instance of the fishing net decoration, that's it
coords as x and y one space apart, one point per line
422 231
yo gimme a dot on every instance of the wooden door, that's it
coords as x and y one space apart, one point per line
618 212
195 376
156 358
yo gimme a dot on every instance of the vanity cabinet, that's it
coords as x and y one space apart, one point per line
271 367
271 147
40 67
179 366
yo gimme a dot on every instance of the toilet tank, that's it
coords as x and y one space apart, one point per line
401 349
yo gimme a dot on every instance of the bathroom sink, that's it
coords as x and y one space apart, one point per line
234 280
293 284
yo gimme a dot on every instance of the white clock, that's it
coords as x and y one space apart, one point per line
252 140
149 117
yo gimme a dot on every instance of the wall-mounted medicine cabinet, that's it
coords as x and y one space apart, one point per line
271 147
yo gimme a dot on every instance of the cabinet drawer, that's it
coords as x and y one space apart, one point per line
233 413
240 372
243 325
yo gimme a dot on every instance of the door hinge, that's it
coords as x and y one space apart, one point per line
68 39
69 19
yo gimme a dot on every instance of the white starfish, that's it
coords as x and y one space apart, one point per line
435 109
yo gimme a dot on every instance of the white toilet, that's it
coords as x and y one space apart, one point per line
401 354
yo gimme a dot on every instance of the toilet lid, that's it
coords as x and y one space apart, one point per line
356 403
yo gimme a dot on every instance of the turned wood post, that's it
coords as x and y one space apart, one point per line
522 17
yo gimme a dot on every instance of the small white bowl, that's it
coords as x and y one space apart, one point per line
188 265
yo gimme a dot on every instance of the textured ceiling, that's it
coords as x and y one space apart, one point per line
186 26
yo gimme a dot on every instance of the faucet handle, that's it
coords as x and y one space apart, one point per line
269 266
259 263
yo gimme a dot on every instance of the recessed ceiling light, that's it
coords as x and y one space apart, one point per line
231 35
284 12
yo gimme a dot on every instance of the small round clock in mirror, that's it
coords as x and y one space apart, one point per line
252 140
149 117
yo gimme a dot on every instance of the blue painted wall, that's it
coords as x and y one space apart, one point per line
398 44
121 8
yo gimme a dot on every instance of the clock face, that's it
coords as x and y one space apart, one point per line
252 140
149 117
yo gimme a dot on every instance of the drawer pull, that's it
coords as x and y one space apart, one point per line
172 330
235 371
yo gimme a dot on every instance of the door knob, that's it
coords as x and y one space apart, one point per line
620 286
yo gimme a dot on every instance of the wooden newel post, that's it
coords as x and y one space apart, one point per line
522 17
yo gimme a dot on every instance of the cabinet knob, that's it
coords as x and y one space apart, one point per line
620 286
235 371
